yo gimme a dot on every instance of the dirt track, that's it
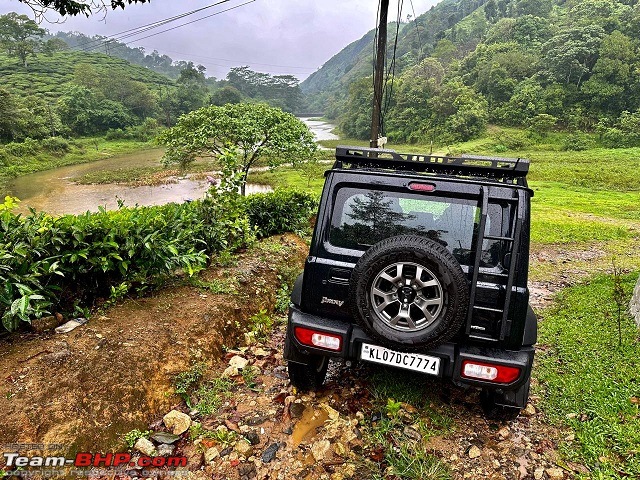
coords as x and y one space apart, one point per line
85 389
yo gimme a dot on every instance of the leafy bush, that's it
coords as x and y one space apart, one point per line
511 141
64 261
577 142
280 211
55 145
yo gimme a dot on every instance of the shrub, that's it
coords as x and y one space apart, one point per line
55 145
280 211
57 262
577 142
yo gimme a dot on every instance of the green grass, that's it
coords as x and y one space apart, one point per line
150 175
590 383
289 177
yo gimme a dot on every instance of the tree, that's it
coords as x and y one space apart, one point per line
20 37
458 112
85 113
75 7
572 53
226 94
356 119
258 132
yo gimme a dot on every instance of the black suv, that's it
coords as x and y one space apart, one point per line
419 262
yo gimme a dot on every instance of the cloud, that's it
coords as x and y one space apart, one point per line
274 36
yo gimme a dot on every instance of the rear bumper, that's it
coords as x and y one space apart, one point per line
451 355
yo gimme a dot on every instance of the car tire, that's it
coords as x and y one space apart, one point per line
407 313
308 377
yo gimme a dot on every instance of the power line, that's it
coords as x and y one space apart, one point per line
192 21
243 62
181 25
415 21
149 26
391 70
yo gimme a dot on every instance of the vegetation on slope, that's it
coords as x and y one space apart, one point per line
64 263
530 63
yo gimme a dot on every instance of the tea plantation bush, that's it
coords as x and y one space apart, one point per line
280 211
60 263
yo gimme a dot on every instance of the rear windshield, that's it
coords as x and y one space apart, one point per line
362 218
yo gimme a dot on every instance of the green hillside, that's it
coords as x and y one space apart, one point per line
47 75
540 64
415 40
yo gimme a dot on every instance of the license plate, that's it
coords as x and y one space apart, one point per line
409 361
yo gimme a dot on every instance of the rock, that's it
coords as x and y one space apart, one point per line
412 434
164 437
529 410
332 413
145 447
320 449
244 448
270 452
211 454
252 437
296 409
538 473
231 372
238 362
340 449
555 473
165 450
177 421
247 471
474 452
71 325
634 304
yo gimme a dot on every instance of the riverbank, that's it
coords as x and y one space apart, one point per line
19 159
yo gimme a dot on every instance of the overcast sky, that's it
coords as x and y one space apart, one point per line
274 36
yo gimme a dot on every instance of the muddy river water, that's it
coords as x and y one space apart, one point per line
55 192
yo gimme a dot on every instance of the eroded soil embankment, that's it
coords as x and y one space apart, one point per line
86 388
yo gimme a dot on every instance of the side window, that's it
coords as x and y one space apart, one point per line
499 224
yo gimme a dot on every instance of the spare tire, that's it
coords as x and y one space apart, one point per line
409 292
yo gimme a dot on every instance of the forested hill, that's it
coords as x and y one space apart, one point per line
415 39
539 64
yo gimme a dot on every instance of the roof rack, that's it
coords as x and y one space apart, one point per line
510 170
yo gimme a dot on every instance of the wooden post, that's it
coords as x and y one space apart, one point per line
378 76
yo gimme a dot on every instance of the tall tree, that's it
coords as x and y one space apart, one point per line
258 132
19 36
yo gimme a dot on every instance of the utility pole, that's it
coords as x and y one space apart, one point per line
378 76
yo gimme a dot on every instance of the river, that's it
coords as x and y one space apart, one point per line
53 191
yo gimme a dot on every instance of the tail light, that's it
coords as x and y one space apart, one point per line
315 338
489 372
422 187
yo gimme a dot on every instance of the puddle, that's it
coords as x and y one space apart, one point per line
306 427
